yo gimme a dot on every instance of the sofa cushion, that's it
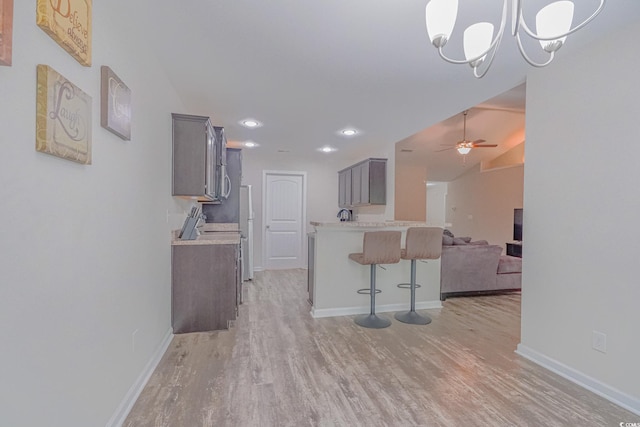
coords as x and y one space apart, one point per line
509 264
459 241
479 242
469 267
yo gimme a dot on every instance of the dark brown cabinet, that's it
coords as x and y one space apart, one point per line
205 287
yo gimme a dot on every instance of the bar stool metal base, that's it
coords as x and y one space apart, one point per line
412 318
372 321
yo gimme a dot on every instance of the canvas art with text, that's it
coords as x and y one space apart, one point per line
6 31
63 117
115 104
68 22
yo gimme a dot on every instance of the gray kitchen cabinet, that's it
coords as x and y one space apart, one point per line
344 188
205 287
366 183
195 154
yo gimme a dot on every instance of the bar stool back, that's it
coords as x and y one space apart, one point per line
378 247
421 243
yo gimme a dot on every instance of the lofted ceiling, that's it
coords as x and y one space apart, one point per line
306 70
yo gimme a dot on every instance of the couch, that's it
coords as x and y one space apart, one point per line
475 268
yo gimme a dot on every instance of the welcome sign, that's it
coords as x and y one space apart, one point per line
6 31
63 117
68 22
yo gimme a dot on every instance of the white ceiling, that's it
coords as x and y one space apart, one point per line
308 69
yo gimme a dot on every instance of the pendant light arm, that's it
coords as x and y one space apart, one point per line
522 23
529 60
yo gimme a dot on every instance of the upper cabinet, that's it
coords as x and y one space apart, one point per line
199 159
364 183
224 182
344 188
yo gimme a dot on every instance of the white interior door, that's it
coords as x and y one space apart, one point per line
284 219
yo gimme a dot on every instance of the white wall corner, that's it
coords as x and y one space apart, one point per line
613 395
121 413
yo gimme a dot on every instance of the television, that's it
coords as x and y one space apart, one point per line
517 224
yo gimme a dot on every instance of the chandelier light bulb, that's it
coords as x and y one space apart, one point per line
553 20
441 16
477 41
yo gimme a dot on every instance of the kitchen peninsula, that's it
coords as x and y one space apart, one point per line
334 278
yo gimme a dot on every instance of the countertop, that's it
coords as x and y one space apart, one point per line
211 234
369 224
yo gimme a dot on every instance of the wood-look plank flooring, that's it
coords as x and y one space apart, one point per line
280 367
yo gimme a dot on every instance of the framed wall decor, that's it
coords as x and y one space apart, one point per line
115 104
6 31
63 117
68 22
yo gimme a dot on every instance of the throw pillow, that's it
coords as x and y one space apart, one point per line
448 233
459 241
447 240
466 239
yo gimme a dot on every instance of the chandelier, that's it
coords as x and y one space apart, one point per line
553 25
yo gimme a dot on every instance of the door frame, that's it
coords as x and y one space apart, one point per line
303 230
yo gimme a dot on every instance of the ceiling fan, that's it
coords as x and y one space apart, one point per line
464 146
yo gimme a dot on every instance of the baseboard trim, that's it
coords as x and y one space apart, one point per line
349 311
120 415
613 395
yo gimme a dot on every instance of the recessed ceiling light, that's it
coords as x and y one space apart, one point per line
327 149
349 132
250 144
250 123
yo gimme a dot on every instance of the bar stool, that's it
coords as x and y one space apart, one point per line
420 243
378 247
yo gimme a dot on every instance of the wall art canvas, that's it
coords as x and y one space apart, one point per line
63 117
6 31
115 104
68 22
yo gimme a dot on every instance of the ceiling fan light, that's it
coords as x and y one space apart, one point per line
463 150
440 17
477 40
554 20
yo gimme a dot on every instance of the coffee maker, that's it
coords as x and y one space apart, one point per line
345 215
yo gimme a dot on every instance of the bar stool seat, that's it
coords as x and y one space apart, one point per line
421 243
378 247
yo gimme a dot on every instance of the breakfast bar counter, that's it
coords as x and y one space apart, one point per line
336 278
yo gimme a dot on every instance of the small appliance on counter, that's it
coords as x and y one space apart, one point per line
345 215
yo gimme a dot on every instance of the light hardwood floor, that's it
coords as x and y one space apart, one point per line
279 367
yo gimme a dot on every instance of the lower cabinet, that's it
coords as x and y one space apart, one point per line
205 286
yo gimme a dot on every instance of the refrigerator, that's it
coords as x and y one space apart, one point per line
246 231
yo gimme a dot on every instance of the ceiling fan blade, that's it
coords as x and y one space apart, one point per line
478 141
485 146
444 149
